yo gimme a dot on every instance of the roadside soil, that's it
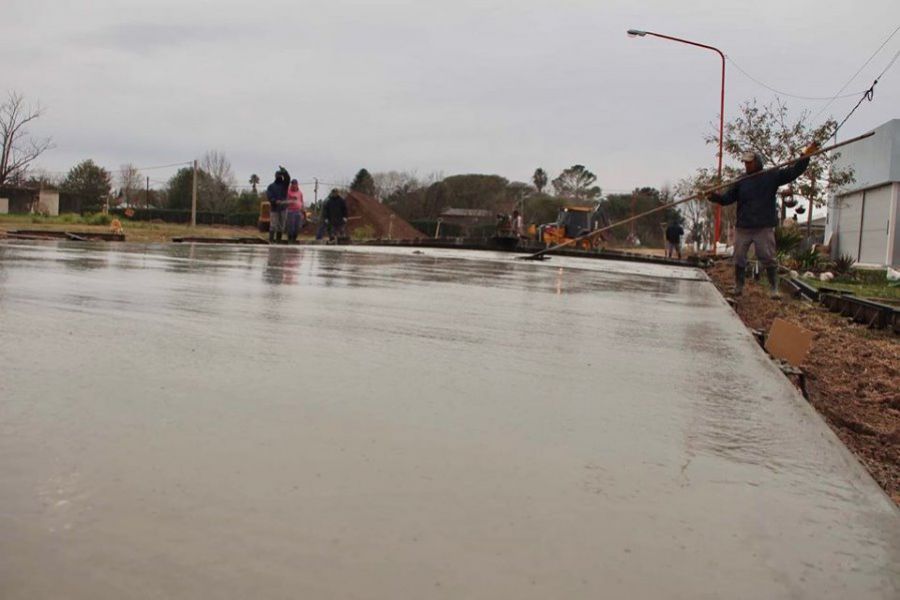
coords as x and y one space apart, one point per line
852 373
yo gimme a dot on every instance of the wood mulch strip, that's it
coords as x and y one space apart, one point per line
852 373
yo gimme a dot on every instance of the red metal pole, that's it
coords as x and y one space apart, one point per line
718 227
718 219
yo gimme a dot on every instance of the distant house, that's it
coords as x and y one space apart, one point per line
15 199
862 218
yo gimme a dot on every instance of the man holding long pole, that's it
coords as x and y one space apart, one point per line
757 213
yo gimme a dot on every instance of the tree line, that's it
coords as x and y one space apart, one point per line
765 128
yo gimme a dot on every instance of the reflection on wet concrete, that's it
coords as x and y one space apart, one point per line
233 422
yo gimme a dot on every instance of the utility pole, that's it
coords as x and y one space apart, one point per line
633 207
194 197
147 193
812 195
316 191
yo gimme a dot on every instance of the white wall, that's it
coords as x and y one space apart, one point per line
848 224
895 224
48 201
864 214
875 225
874 160
4 206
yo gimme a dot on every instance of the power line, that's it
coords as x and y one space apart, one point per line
190 162
783 93
869 94
858 71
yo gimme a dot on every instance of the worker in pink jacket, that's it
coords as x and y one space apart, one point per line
295 211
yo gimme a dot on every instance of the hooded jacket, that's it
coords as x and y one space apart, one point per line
277 191
335 210
757 205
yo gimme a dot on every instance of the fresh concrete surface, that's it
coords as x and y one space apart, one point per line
243 422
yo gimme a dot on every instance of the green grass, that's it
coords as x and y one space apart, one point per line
875 291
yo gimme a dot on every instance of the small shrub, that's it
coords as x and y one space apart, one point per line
98 219
787 240
808 260
366 232
843 264
70 218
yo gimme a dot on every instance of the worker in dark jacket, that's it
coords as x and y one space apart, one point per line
757 213
334 211
277 193
673 239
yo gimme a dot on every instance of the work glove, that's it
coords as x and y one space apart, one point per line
811 149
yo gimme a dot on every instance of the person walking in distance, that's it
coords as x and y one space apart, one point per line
757 213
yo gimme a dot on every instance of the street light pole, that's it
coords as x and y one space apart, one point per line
641 33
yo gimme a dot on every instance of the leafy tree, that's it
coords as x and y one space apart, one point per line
518 190
577 183
247 201
254 181
487 192
770 130
540 179
542 208
89 183
17 148
179 190
363 183
215 185
617 207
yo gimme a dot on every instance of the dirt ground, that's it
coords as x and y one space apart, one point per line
852 374
137 231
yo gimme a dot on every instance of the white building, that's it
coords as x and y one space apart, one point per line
862 218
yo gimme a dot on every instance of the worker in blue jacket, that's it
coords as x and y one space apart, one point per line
757 213
276 194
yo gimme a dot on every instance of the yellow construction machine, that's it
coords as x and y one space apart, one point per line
573 222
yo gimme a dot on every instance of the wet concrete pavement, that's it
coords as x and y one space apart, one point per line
241 422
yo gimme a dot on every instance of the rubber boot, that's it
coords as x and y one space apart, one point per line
772 276
739 275
271 237
278 237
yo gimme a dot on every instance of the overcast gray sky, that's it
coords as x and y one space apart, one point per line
328 86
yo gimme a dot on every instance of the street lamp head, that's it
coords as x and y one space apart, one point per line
636 33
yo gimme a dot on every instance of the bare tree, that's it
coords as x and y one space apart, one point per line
130 181
698 213
217 191
389 182
39 177
218 166
19 148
